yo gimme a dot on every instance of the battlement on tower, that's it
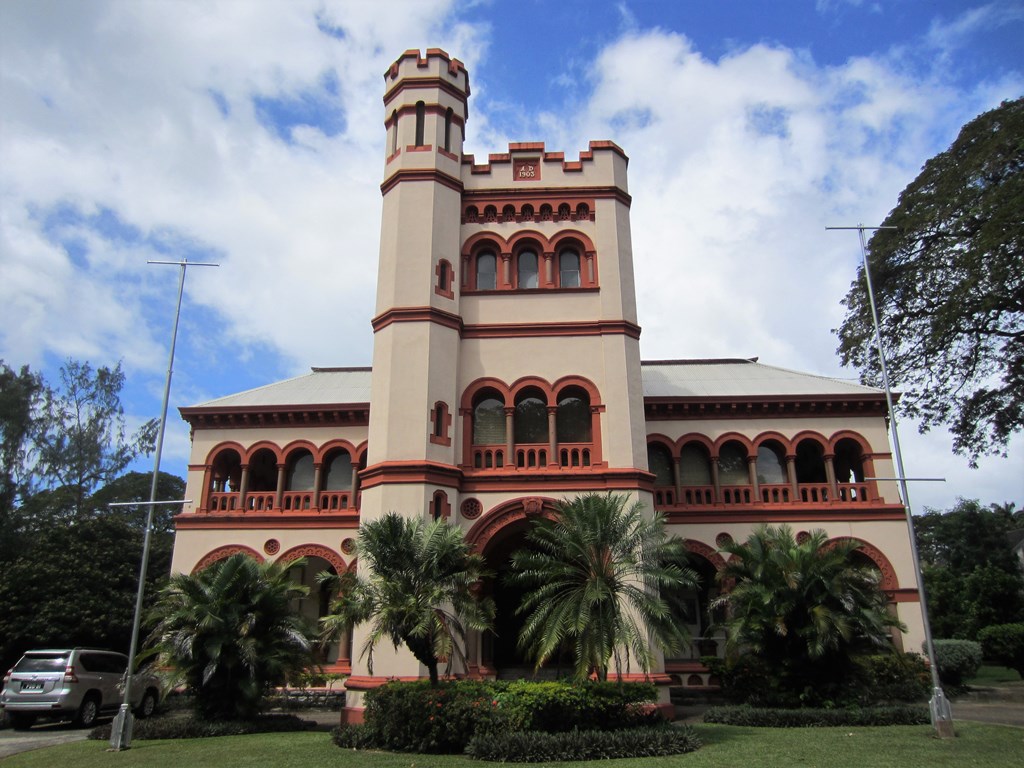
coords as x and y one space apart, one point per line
436 67
530 164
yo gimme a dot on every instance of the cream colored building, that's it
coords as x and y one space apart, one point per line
506 376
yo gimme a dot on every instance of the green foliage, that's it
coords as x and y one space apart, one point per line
887 677
971 576
559 706
41 584
949 288
19 398
420 717
230 633
540 747
198 728
799 611
753 717
419 591
600 576
957 660
1004 644
79 435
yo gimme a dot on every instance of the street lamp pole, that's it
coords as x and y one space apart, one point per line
120 736
941 714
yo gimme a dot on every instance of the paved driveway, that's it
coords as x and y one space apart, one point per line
45 735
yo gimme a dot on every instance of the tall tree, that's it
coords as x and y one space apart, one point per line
81 439
949 284
419 591
801 607
75 584
19 395
599 574
231 633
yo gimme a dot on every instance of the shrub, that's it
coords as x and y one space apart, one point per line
957 660
418 717
352 736
559 706
810 718
195 728
885 677
1004 644
536 746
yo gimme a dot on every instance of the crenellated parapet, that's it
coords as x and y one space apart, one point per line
529 166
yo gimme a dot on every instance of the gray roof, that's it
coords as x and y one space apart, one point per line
322 386
661 379
739 378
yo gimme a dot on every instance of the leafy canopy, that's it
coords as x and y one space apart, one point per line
949 285
801 606
418 591
230 633
601 577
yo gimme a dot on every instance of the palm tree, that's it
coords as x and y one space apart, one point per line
801 606
601 576
230 632
420 591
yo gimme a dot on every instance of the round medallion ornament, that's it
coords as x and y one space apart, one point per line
348 546
723 539
272 546
802 537
471 509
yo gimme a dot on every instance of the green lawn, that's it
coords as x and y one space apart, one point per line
988 676
985 746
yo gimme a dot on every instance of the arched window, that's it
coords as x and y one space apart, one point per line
694 465
526 265
338 471
421 112
849 462
439 507
226 472
771 464
393 146
263 471
531 418
732 464
488 419
448 130
569 269
508 213
572 420
486 271
440 421
300 471
659 461
445 275
810 462
527 212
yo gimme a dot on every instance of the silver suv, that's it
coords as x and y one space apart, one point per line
79 683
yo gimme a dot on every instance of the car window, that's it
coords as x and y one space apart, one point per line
42 662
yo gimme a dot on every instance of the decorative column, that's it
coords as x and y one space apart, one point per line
752 474
553 459
506 271
317 474
791 472
354 502
830 475
677 477
715 481
510 438
549 276
243 486
282 477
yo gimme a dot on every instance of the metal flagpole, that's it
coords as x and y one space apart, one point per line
941 714
121 730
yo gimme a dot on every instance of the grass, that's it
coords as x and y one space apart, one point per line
977 744
989 675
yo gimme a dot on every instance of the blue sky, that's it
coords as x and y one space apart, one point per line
250 134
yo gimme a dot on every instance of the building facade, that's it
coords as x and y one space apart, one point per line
506 376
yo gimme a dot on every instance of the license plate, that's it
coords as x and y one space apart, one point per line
31 686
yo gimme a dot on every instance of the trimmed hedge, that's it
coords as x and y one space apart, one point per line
192 728
957 660
817 718
538 747
416 717
1004 644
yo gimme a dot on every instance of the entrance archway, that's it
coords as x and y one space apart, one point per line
496 536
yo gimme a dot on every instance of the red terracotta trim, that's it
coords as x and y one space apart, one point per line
532 330
235 417
224 552
768 406
420 174
315 550
414 472
904 595
417 315
228 521
756 513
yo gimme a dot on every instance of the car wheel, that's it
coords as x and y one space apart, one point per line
20 721
88 712
148 704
